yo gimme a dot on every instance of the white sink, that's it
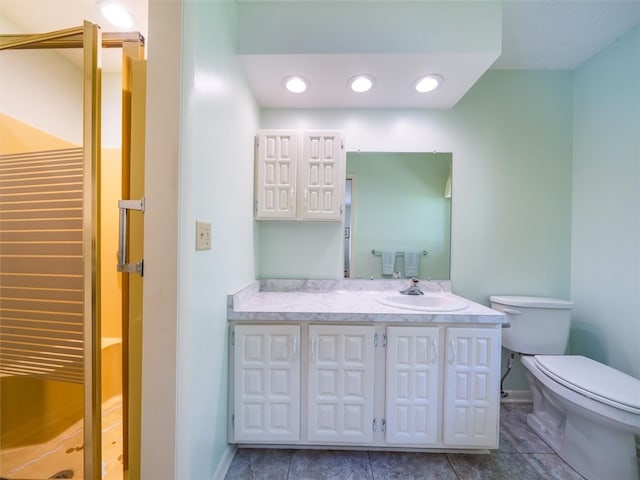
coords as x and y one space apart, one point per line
429 302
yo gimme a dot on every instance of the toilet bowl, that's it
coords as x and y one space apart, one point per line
588 412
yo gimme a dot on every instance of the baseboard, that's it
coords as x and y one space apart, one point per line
225 462
517 396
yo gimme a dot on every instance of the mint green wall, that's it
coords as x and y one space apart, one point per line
299 250
605 267
398 204
218 121
511 138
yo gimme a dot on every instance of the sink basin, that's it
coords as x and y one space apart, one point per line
428 302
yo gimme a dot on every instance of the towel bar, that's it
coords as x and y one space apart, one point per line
379 252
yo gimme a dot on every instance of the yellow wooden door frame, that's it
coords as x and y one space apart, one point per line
134 79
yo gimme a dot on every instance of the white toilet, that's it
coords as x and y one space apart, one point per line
589 413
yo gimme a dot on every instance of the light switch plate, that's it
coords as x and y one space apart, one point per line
203 235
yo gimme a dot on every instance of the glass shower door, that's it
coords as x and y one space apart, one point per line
49 272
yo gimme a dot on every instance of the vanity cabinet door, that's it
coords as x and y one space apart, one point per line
322 176
472 387
267 383
340 389
276 174
413 378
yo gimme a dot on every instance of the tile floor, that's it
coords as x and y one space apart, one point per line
522 456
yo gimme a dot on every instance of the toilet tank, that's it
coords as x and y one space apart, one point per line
539 325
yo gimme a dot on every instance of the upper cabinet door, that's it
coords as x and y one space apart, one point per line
276 174
322 176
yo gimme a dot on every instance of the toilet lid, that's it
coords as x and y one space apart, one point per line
593 379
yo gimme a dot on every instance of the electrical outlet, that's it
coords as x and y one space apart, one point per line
203 236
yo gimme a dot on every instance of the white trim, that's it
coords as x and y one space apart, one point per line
517 396
225 462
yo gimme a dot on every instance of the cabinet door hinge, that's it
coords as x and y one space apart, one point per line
375 340
233 337
373 425
384 340
233 420
383 425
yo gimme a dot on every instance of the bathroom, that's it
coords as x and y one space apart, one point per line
544 202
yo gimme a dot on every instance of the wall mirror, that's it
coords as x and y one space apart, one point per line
397 202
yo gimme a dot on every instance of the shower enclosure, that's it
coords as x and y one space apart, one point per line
66 331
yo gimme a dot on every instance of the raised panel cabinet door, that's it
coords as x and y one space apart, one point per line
322 176
266 383
472 387
413 377
340 397
276 174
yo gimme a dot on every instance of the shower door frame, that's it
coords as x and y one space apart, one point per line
90 38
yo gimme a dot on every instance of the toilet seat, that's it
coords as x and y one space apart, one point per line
593 379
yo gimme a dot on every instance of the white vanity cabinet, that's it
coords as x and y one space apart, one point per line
340 398
299 175
469 372
267 383
378 385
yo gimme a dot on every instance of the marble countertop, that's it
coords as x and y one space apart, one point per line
345 300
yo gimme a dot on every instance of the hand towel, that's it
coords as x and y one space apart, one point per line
411 264
388 262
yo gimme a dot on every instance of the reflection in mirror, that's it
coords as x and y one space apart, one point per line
347 225
398 202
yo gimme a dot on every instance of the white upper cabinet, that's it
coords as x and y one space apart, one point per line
299 175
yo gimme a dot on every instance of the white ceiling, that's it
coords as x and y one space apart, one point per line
546 34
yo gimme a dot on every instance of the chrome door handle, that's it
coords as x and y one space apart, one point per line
123 266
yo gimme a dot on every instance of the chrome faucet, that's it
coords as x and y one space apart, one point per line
414 288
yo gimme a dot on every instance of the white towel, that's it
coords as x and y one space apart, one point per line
411 264
388 262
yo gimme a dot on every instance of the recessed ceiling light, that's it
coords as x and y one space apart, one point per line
295 84
361 83
116 14
428 83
